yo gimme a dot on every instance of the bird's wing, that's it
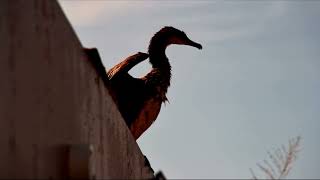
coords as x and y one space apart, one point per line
127 64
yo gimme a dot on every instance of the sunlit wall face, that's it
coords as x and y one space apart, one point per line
254 85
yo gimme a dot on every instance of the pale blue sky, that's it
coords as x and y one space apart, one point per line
254 85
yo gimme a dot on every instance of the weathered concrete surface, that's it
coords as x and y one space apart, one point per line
52 97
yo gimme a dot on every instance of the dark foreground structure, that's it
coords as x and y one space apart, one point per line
57 118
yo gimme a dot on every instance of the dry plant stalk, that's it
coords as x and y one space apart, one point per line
281 161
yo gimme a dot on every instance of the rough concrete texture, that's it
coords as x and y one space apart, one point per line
53 99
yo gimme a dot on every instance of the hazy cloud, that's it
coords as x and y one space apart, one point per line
89 13
240 20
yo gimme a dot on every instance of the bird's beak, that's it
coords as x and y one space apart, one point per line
194 44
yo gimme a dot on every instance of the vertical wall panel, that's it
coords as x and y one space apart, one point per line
53 99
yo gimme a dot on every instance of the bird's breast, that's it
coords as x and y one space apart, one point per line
146 117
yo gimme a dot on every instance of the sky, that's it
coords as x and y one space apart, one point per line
252 87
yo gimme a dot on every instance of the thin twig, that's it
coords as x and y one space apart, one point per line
282 159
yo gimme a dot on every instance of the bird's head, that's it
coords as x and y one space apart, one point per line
175 36
170 35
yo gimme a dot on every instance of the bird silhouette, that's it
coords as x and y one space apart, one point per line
139 99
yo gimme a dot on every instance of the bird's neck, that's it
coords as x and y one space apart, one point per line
159 61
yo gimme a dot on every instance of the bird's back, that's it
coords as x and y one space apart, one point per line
127 92
138 101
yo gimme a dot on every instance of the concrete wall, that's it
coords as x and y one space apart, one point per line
56 115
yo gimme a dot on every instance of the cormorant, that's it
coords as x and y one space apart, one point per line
139 99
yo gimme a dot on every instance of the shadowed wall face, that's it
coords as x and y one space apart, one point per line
53 100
